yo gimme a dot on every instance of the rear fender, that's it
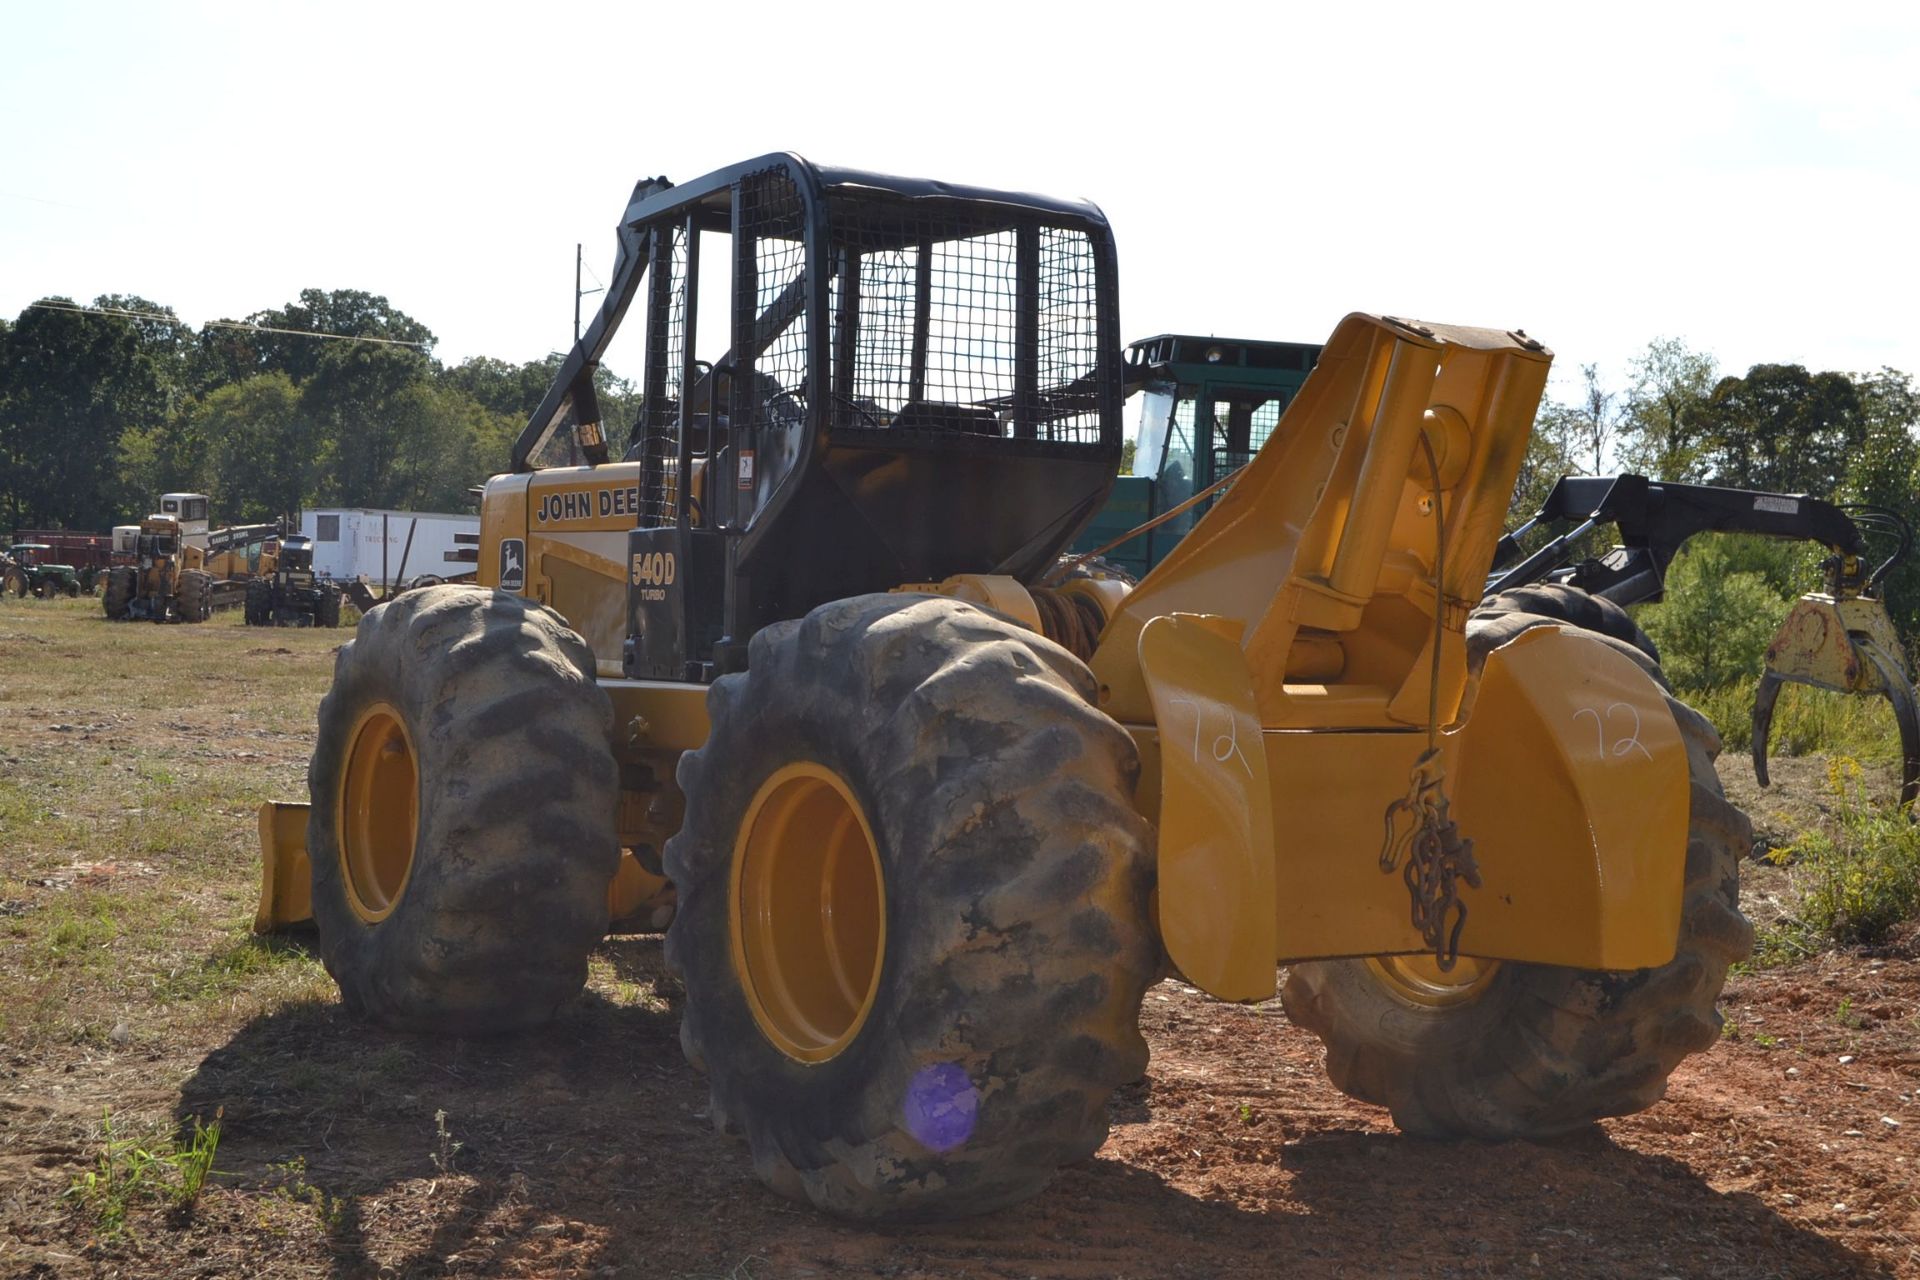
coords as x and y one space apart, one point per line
1568 773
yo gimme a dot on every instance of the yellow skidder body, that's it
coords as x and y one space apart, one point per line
792 677
1275 673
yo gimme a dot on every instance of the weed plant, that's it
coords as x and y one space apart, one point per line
130 1170
1856 883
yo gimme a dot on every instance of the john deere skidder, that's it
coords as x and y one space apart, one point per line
932 828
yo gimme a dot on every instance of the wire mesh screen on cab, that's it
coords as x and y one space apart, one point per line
944 325
666 372
946 319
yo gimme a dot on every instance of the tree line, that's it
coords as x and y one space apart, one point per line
1779 427
105 407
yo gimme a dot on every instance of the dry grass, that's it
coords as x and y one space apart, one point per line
585 1149
132 759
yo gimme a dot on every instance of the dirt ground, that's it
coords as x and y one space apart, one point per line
1787 1150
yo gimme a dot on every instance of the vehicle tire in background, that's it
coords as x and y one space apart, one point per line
193 596
259 606
327 614
913 920
462 826
121 582
14 584
1504 1050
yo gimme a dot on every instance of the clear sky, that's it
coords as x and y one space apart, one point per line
1742 176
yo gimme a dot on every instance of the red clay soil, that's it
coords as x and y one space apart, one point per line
1787 1150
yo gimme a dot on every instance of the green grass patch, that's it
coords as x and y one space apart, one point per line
169 1169
76 929
1806 721
239 963
1855 883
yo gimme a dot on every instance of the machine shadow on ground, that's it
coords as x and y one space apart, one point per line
586 1145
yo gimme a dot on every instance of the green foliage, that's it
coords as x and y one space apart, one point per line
99 414
1884 470
263 451
1857 882
329 1210
129 1170
1782 428
445 1149
1806 721
1549 456
1660 436
1724 602
70 384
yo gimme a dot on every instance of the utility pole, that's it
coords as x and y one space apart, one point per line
579 293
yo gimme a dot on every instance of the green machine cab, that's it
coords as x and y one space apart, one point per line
1203 407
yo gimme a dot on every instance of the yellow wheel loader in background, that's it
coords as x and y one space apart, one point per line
931 828
167 582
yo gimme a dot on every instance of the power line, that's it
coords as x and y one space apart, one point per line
221 324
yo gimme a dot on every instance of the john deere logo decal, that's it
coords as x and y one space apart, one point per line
513 564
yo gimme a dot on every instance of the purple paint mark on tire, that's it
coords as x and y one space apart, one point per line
940 1107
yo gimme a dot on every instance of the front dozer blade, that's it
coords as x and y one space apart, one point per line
1846 646
635 897
286 882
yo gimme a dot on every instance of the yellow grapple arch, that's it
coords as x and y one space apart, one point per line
1277 668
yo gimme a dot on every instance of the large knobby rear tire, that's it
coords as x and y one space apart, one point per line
122 580
1529 1051
987 1023
462 828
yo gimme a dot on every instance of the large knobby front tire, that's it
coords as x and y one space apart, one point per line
462 826
1527 1051
913 919
193 596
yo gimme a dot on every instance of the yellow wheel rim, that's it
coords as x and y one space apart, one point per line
809 912
1419 980
379 814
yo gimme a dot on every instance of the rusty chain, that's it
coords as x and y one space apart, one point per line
1437 856
1436 859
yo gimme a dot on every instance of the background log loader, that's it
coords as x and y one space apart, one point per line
933 827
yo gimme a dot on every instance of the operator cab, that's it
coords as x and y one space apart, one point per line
29 554
190 511
159 539
296 552
921 380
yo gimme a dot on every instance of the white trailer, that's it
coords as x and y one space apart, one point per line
389 548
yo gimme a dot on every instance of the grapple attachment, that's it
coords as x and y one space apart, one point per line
1846 644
